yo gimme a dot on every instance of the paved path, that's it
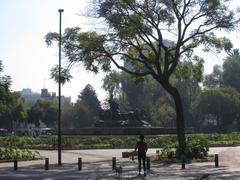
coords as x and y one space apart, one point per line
97 165
228 156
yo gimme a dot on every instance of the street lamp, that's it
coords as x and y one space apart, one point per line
59 90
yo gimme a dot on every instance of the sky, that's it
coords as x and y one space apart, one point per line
26 57
28 60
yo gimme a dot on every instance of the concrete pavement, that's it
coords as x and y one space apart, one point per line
97 164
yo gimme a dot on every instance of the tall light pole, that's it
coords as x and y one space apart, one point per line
59 90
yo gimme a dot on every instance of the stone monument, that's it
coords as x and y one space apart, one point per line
112 117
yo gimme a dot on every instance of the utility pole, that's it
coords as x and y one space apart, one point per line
59 90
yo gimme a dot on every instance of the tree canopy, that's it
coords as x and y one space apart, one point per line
222 104
65 74
45 111
11 106
150 38
89 98
231 70
84 112
226 75
214 79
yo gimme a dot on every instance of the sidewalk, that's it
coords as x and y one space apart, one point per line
97 164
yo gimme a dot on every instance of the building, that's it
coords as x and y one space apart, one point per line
29 97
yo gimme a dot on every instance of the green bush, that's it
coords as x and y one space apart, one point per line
116 142
10 153
68 141
130 141
219 138
168 151
91 140
197 147
122 141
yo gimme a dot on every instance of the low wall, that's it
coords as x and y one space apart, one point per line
121 131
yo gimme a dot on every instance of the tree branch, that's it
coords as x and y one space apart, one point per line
125 69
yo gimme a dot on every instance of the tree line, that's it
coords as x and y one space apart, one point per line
211 102
14 110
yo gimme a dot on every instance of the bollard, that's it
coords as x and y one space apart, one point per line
79 164
216 160
15 164
183 162
46 163
113 163
148 163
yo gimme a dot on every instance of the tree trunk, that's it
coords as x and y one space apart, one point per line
180 125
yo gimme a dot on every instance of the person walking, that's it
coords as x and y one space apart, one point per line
142 148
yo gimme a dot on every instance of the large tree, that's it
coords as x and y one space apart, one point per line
218 104
84 111
213 79
135 39
231 70
89 99
45 111
11 106
186 78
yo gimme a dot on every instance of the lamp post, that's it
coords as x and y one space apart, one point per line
59 90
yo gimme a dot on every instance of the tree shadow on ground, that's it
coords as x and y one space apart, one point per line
194 171
103 170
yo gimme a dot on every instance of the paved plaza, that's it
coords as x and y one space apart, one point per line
97 164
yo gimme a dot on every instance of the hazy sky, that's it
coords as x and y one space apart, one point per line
28 60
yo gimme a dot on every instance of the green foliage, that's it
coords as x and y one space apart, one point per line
84 111
140 26
10 148
43 110
197 144
11 106
146 95
111 82
130 141
116 142
10 153
227 75
228 138
190 70
216 102
197 148
231 70
91 141
65 75
15 141
214 79
136 26
70 141
168 151
89 98
5 80
77 116
162 112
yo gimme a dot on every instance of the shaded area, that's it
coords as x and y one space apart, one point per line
97 164
102 170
